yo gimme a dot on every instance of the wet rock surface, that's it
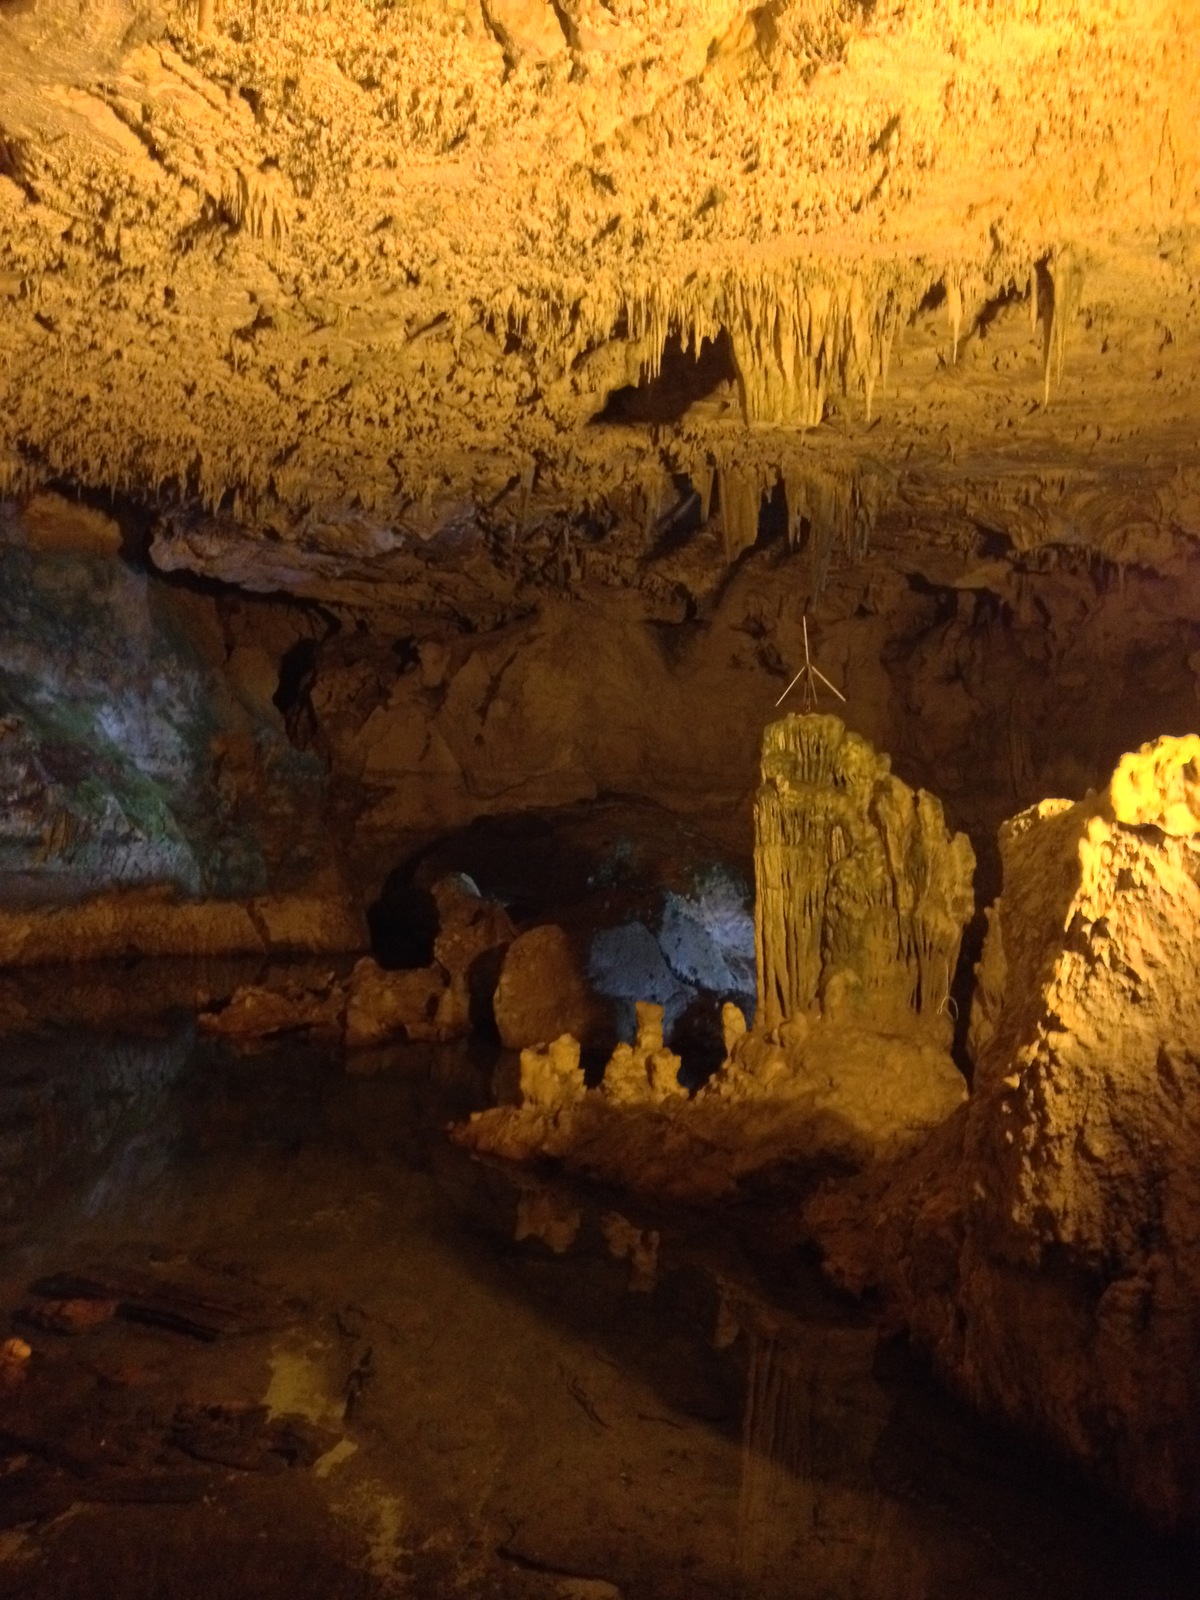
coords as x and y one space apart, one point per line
861 897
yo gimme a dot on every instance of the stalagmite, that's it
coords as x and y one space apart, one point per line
862 891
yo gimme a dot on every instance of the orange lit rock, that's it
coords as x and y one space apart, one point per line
69 1316
14 1358
1044 1247
1159 786
255 1011
420 1004
862 891
157 922
470 927
525 27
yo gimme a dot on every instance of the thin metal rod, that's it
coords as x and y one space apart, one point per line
790 687
809 672
829 685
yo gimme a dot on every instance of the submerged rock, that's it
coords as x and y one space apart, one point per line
1046 1246
259 1011
421 1004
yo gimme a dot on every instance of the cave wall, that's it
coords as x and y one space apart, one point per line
161 729
134 749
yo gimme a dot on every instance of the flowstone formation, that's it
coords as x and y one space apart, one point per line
862 891
1045 1247
852 1069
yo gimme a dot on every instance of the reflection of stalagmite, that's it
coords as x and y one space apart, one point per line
862 891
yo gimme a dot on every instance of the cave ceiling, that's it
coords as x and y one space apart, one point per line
345 292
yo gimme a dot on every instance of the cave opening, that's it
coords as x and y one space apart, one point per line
692 377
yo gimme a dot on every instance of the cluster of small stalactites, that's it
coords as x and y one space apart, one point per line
803 333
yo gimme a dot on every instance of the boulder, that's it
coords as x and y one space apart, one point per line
258 1011
469 927
525 28
542 993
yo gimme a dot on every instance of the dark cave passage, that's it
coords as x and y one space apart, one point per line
687 377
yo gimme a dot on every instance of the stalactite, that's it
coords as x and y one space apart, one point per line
840 509
954 312
704 477
799 334
1056 286
741 497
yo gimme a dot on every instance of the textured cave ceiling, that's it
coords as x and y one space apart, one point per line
330 284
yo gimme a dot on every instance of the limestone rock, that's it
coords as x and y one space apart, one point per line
733 1025
845 1092
646 1071
551 1077
468 925
1046 1246
525 28
421 1004
1159 786
154 922
257 1011
542 992
627 964
862 890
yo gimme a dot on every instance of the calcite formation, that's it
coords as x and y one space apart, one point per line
862 892
371 271
1044 1246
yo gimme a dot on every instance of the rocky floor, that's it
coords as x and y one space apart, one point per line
329 1355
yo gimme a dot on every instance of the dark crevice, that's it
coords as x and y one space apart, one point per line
685 377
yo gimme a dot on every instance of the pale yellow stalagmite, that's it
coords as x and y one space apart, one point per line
862 891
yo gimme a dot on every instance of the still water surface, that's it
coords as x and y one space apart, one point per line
503 1384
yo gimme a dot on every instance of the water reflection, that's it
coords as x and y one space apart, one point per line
558 1386
809 1510
83 1113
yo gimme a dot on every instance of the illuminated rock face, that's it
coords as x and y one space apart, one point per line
1046 1245
862 892
1084 1134
390 261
